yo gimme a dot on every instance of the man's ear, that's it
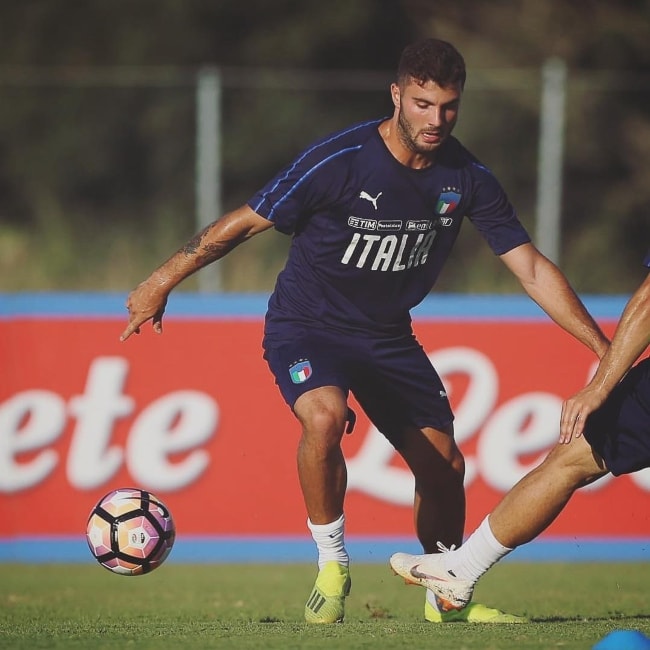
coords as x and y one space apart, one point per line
395 95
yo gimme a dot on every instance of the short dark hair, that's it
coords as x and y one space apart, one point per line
431 60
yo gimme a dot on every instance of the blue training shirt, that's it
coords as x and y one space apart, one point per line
370 235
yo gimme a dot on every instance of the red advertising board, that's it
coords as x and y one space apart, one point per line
194 416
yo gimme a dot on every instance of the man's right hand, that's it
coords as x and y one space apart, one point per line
146 302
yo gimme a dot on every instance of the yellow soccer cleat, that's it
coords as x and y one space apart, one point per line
326 603
473 613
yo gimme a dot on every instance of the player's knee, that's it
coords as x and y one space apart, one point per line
576 461
435 462
457 465
455 461
327 422
323 424
322 413
441 472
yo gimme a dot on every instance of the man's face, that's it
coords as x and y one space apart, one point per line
426 114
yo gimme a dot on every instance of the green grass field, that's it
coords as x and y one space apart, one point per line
260 606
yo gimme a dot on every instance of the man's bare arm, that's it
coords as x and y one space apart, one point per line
631 338
548 287
148 300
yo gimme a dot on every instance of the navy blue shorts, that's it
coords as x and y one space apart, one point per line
392 379
619 431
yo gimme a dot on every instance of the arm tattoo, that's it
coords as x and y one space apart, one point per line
191 247
207 253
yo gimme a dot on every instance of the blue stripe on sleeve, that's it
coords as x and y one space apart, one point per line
306 175
306 153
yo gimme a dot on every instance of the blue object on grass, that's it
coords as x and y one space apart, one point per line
623 640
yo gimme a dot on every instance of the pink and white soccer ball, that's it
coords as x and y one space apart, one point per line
130 531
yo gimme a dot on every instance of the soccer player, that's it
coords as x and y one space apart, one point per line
373 212
604 428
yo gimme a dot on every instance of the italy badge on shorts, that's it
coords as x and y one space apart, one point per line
300 371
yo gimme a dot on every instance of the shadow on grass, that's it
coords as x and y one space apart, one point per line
591 619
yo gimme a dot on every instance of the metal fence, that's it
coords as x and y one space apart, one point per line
149 155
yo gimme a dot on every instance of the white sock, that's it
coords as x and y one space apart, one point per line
481 551
330 542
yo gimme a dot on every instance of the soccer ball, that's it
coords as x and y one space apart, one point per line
130 531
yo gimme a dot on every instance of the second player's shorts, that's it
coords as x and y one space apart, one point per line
392 379
619 431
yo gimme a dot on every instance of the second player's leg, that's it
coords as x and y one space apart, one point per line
533 503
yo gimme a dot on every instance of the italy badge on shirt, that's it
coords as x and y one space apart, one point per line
300 371
448 201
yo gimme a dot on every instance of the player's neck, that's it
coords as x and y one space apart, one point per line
403 154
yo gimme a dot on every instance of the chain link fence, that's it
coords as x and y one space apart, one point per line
100 168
